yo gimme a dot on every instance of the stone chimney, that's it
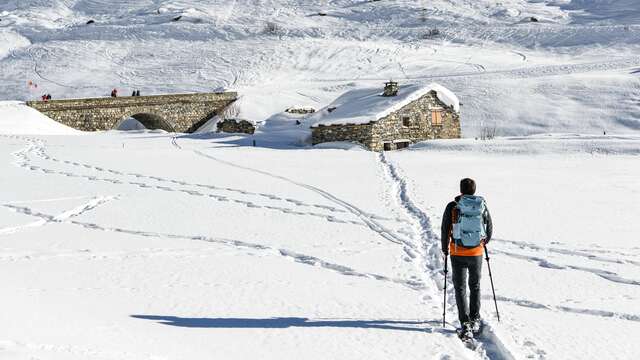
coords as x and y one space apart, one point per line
390 88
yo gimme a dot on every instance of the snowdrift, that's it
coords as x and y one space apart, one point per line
18 118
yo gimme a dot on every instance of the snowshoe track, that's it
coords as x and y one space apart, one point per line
427 243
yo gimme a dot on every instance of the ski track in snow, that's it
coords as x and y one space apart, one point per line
44 220
605 274
621 256
368 219
36 147
426 248
427 244
236 244
422 245
567 309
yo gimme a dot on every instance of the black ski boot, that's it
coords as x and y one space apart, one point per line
465 333
476 326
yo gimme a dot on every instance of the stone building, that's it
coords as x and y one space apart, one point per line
236 126
390 119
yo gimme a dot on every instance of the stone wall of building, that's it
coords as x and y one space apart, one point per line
236 126
179 112
356 133
392 128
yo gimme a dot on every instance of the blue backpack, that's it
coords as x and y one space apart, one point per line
469 228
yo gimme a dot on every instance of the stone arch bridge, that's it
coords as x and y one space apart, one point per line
173 113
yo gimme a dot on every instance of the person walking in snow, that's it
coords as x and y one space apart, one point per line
466 229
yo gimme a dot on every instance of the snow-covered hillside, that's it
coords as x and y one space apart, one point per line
575 70
149 245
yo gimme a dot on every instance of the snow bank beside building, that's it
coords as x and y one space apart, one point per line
18 118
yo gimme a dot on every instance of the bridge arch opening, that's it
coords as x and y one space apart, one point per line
144 121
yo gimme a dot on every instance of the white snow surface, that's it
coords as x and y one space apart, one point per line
139 245
576 70
362 106
210 126
18 118
148 245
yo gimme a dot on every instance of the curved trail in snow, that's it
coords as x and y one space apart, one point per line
364 216
423 247
425 240
36 146
147 182
63 216
66 217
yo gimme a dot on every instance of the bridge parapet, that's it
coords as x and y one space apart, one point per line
175 112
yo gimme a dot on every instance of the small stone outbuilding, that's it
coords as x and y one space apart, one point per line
236 126
390 119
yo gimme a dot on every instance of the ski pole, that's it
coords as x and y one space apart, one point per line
444 303
486 253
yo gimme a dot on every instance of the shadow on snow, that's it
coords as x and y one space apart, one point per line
289 322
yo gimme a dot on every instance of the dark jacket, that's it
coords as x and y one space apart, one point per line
447 223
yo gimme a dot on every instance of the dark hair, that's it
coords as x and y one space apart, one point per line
467 186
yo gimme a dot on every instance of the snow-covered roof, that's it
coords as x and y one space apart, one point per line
362 106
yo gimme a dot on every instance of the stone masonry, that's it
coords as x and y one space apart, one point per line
173 113
236 126
410 124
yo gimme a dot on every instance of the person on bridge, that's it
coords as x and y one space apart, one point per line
466 229
137 92
114 93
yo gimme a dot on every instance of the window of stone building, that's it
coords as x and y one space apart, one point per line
436 117
406 120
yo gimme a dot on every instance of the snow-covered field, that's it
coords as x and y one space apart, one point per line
139 245
148 245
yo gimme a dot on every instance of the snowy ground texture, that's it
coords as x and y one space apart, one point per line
143 245
147 245
575 70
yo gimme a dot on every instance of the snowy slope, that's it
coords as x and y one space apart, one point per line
148 245
18 118
573 71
